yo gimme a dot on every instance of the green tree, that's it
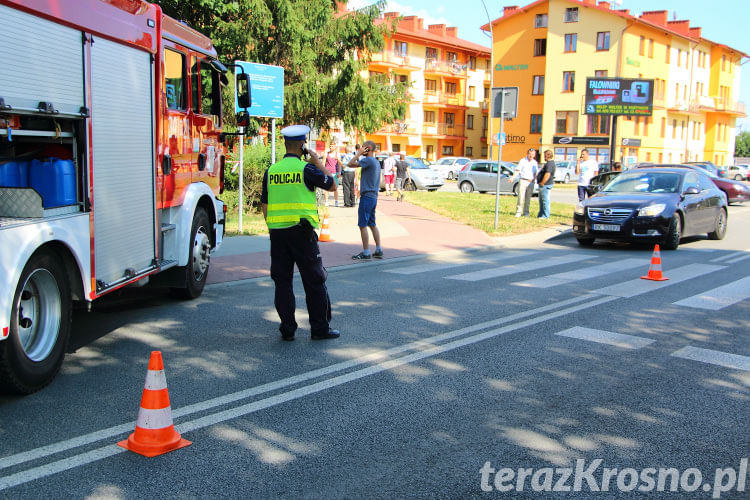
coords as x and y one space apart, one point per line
742 145
317 48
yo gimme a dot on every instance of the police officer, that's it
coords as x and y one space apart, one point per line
291 212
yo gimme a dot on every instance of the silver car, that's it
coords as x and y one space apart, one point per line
422 176
449 166
481 175
564 171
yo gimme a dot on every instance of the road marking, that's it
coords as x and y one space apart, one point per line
728 256
582 274
725 359
720 297
425 348
605 337
518 268
463 261
737 259
639 286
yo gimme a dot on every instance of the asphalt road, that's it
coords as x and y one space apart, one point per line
450 369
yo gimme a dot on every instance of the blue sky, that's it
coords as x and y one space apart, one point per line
725 22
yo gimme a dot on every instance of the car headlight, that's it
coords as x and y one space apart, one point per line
652 210
579 209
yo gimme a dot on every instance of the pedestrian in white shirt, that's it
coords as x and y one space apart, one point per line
586 168
389 173
525 172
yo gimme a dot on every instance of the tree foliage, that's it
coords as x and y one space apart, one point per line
742 145
321 53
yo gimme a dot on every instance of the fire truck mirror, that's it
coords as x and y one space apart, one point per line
166 165
244 99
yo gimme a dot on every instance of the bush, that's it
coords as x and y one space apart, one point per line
256 160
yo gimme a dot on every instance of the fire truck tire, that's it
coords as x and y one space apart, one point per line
32 354
196 270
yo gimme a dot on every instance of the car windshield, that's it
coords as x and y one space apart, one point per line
415 163
644 182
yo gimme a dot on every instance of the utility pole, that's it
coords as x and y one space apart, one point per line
492 81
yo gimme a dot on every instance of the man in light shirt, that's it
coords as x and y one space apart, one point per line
526 173
389 173
586 169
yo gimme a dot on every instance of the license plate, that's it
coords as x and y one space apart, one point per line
605 227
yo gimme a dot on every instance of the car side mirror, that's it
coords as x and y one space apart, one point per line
692 190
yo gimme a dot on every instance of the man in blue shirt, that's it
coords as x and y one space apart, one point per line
369 186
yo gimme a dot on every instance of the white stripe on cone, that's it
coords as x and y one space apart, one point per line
154 419
155 380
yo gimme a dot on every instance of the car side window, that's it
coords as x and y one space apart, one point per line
479 167
691 180
704 183
462 162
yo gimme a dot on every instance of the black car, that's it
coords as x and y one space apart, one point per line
653 204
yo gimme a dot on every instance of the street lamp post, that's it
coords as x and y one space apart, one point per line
492 74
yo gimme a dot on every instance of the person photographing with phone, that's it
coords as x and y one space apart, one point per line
369 186
289 206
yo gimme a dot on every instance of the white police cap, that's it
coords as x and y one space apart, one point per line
295 132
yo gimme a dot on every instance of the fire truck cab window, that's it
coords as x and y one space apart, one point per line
174 79
210 92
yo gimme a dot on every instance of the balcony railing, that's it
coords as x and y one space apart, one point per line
394 58
456 129
730 106
433 97
451 68
399 128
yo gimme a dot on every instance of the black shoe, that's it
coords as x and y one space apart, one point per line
330 334
288 338
378 254
361 256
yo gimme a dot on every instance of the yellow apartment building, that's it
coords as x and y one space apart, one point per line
548 48
449 89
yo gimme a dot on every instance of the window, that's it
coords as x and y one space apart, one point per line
399 48
660 86
538 86
571 15
194 78
570 42
651 48
395 147
601 73
469 151
648 156
661 157
723 63
566 122
642 46
447 150
174 79
486 92
597 124
429 117
470 122
536 124
451 57
569 81
679 57
668 55
602 40
430 54
472 93
674 129
663 127
450 119
430 85
450 88
472 62
540 47
646 122
430 150
540 21
637 126
484 126
682 129
210 92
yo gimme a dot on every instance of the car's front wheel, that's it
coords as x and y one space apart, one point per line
450 176
466 187
720 226
672 239
567 178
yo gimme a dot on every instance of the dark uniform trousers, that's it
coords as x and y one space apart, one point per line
299 245
347 181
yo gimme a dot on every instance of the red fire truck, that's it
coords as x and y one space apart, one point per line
110 166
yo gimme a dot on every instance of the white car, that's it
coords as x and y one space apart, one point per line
450 166
565 171
738 172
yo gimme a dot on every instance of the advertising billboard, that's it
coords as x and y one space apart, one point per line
619 96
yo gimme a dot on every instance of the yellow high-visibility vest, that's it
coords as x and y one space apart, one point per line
289 200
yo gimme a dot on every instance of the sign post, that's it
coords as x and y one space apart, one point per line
506 106
268 102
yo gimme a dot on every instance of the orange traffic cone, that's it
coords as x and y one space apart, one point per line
654 270
325 233
154 431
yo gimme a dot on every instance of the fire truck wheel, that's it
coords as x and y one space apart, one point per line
32 354
198 258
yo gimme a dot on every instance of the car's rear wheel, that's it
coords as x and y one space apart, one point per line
466 187
738 177
720 226
585 242
450 176
672 239
410 186
567 178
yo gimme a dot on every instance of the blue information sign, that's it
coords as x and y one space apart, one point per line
267 89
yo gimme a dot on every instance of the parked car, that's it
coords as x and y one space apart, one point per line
565 171
422 176
449 166
736 191
659 204
481 175
738 172
707 165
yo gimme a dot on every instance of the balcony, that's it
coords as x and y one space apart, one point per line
728 106
452 129
398 128
445 68
434 97
394 60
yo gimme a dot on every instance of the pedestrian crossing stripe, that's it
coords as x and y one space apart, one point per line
719 298
518 268
462 261
605 337
582 274
725 359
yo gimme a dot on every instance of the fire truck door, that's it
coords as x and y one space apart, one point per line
177 137
122 159
207 124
